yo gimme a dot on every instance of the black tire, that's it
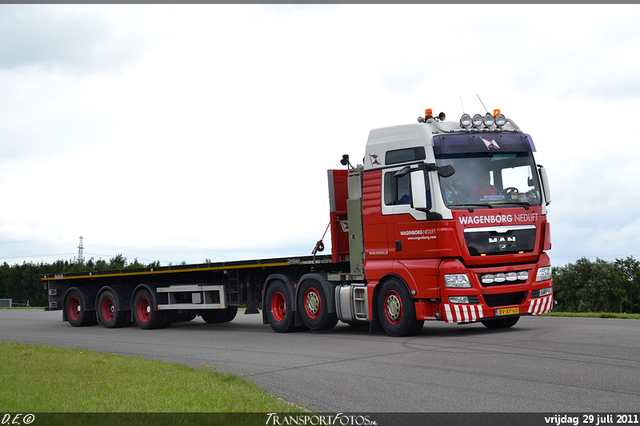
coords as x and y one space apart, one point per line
76 311
213 316
143 313
230 313
500 322
216 316
396 310
184 316
167 318
279 307
313 304
108 314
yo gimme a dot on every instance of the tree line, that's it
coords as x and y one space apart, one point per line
583 286
599 286
22 283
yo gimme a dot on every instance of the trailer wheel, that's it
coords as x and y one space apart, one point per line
185 316
143 312
77 314
313 304
107 311
396 310
279 304
500 322
230 314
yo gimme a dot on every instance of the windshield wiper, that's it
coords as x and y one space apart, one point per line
524 204
471 205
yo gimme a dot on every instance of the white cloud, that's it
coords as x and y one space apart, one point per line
185 132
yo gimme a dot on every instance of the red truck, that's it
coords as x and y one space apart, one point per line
443 221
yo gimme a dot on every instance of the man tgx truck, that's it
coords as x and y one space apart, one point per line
443 221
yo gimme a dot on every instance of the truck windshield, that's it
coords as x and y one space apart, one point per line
490 179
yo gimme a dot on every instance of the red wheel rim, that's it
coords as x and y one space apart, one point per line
107 309
278 306
74 308
143 309
312 303
393 307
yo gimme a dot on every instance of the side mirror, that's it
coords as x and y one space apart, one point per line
419 193
403 172
546 189
446 171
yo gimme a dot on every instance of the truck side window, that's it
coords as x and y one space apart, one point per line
396 190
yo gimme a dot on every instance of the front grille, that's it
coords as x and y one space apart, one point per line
500 240
504 299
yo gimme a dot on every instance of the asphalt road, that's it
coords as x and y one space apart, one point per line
543 364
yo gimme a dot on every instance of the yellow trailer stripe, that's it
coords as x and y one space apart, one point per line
171 271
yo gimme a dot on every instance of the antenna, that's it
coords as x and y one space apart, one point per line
80 249
461 104
485 108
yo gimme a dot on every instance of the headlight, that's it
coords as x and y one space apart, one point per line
477 121
457 281
544 273
459 299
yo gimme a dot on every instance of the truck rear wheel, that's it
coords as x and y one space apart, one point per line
313 305
77 314
396 310
107 311
279 308
500 322
144 314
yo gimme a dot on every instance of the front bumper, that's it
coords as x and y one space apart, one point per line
520 295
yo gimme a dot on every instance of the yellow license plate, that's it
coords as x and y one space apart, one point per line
507 311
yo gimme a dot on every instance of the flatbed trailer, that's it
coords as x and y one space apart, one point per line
157 296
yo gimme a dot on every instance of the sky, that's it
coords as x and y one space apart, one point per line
185 133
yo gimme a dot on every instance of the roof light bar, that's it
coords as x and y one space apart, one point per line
478 122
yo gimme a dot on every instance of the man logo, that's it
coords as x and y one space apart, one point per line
502 242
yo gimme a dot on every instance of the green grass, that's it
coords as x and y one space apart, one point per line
44 379
593 315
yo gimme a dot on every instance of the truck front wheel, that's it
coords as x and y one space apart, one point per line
145 316
108 314
279 308
313 304
396 310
